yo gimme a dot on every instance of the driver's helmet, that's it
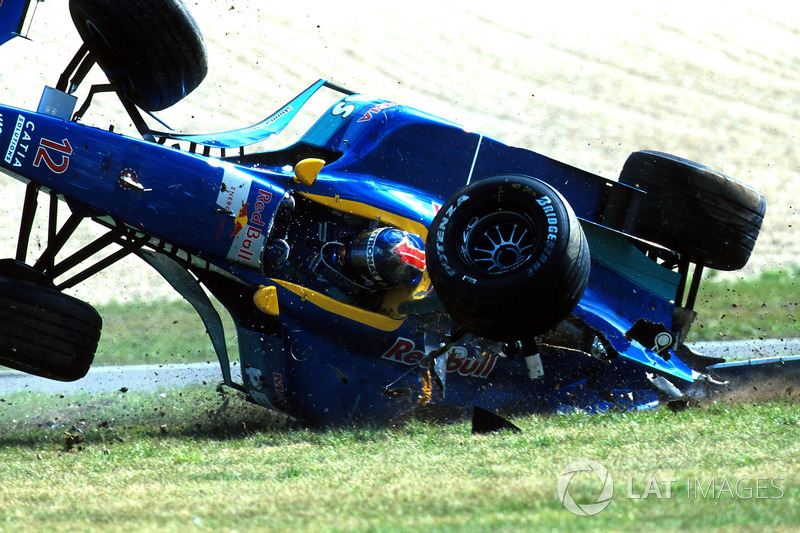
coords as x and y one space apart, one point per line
387 257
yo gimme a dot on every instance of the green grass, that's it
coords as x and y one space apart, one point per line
197 459
191 459
169 331
759 307
157 332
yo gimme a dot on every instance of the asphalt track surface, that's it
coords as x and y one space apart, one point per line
105 379
161 377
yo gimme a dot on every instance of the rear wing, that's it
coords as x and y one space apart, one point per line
12 18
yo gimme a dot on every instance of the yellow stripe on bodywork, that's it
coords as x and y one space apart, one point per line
368 318
372 213
394 297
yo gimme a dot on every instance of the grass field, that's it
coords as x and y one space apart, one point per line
199 459
195 460
156 332
754 307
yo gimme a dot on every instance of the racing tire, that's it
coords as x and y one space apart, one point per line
152 49
704 215
508 257
45 332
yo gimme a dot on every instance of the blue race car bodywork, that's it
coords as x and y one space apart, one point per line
323 344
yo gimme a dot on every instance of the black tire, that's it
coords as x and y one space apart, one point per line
152 49
495 280
45 332
702 214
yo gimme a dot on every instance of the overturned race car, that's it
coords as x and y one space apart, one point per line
389 260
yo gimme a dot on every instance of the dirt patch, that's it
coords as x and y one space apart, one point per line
193 412
759 390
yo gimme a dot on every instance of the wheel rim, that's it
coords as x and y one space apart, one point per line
498 242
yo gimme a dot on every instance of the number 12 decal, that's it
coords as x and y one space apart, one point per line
60 150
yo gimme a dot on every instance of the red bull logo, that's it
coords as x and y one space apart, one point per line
250 220
253 235
405 351
240 221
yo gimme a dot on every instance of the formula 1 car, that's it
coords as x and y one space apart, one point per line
389 260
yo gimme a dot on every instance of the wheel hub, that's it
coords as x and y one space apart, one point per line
498 242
